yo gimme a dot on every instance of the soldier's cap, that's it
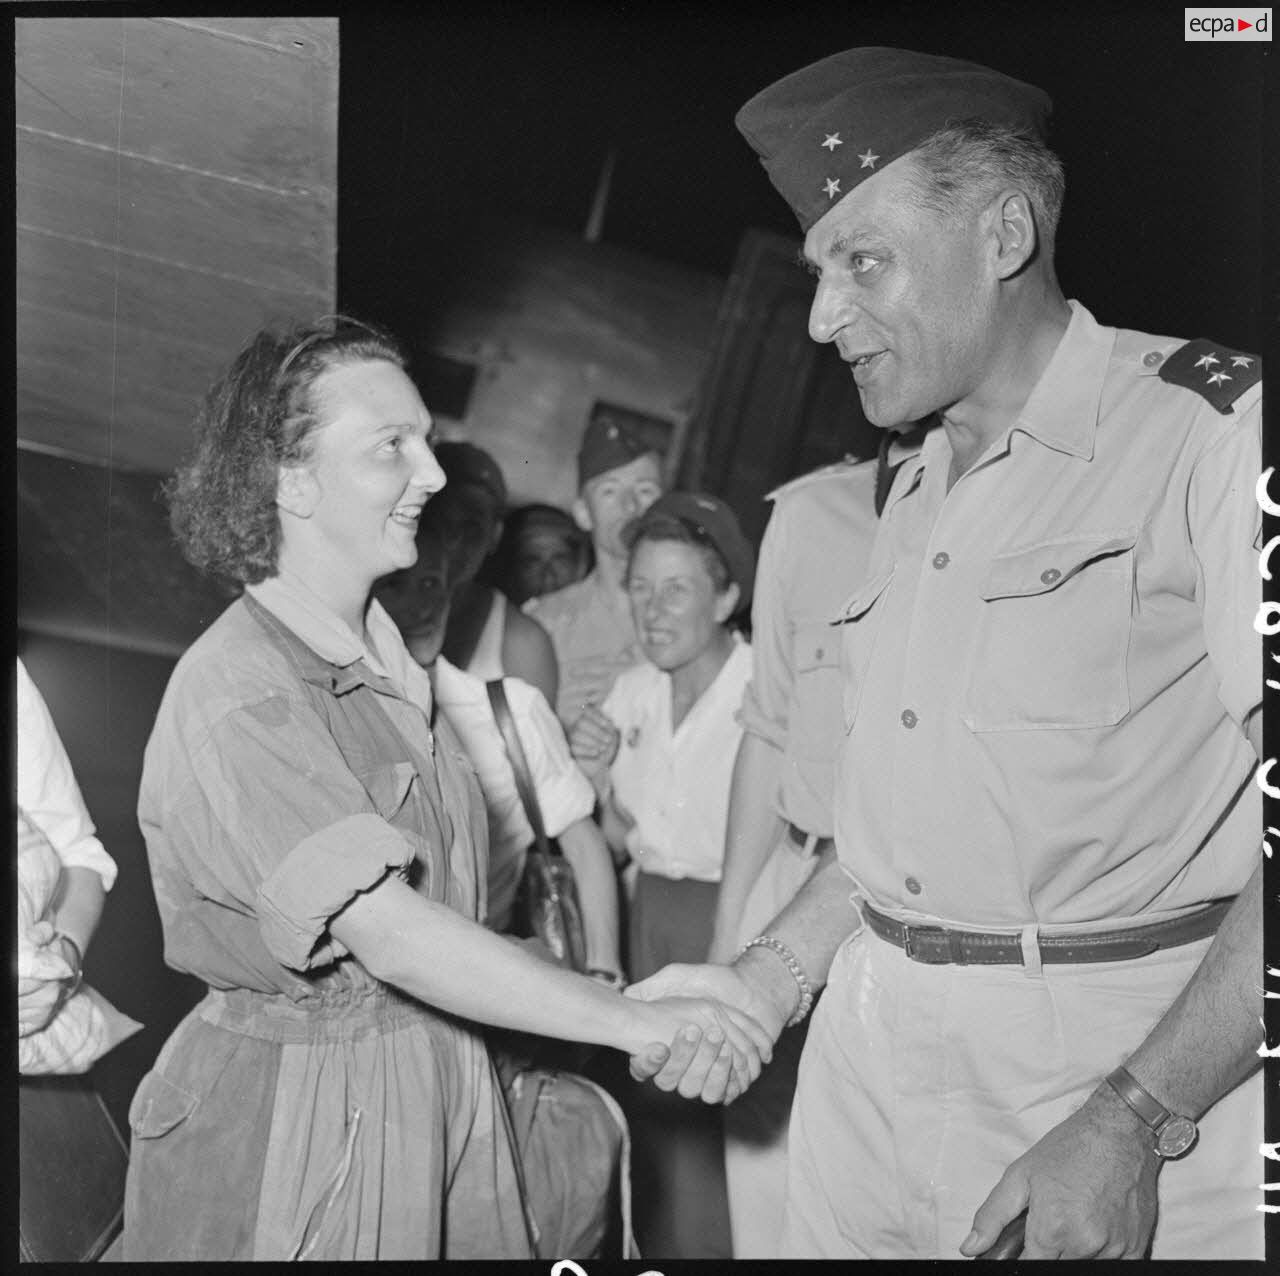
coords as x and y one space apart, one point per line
606 445
823 130
465 463
709 519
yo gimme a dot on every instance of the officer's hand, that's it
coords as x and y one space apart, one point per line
687 1062
593 740
1088 1186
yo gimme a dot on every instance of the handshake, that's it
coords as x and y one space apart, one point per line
708 1030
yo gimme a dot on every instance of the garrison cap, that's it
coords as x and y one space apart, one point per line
822 130
710 518
606 445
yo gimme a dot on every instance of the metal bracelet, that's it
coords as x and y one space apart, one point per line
793 965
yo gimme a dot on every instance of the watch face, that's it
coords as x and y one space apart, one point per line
1176 1136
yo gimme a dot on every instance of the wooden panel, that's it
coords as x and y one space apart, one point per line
68 73
313 38
261 236
175 192
213 311
224 106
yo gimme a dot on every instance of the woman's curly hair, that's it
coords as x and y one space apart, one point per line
260 414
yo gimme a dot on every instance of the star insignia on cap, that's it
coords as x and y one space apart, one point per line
868 159
1218 376
1206 359
1240 361
832 140
832 187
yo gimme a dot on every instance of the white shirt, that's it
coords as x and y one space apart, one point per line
564 793
675 784
48 794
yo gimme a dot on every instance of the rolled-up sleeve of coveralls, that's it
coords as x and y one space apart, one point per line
275 821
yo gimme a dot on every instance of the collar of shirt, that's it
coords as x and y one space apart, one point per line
1061 412
386 660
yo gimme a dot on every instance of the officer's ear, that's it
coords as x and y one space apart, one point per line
582 515
1014 232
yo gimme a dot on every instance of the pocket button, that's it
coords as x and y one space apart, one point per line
941 559
909 719
1049 575
913 886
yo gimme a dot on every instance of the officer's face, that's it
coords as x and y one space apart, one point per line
906 296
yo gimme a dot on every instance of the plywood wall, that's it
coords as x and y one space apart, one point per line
176 188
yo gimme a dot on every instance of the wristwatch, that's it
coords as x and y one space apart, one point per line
1175 1134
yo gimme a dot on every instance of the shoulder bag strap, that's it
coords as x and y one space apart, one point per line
519 764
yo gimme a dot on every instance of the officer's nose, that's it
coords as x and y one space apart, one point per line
828 313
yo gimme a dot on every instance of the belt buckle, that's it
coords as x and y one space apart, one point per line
939 955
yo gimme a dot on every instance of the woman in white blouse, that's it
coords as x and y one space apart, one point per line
660 751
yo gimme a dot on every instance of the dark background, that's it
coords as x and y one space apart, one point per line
451 113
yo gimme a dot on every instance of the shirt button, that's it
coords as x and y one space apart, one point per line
1049 575
1151 358
940 560
817 655
913 886
909 719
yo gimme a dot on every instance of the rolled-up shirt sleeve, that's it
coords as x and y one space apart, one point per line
275 822
47 790
564 793
1225 526
765 701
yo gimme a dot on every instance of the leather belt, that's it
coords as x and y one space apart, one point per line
937 945
800 839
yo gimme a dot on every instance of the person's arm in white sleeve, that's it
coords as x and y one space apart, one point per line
566 799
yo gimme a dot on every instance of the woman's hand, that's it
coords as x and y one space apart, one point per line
593 741
723 1048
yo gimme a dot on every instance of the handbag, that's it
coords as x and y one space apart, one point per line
71 1167
547 904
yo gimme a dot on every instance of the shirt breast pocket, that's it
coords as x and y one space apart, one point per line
1051 647
859 623
815 657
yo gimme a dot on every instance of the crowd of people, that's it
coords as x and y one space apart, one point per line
918 857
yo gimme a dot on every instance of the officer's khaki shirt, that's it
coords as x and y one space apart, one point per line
1047 672
814 553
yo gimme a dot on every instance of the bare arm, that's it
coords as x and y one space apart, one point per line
584 847
753 831
527 653
450 962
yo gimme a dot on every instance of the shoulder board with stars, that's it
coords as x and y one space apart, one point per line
1215 372
842 466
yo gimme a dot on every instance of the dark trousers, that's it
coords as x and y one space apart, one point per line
680 1208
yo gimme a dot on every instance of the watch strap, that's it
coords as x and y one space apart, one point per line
1142 1101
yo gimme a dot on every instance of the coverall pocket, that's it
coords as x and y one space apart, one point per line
388 786
159 1106
1052 643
